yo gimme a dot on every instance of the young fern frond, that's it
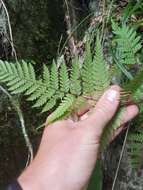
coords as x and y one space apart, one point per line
128 44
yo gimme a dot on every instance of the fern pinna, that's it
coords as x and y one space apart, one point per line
66 90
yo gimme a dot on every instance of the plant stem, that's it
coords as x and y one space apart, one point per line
121 156
21 118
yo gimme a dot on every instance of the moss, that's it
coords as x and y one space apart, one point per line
37 27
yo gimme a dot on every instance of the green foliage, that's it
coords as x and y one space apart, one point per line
114 124
87 71
96 181
64 108
58 86
75 82
100 73
128 44
64 79
135 148
63 90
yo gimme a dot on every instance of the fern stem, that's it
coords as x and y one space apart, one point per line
121 156
123 69
24 132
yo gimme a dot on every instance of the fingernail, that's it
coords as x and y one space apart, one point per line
111 95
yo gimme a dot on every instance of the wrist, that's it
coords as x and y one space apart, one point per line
28 180
32 180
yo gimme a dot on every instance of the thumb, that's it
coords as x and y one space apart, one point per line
104 111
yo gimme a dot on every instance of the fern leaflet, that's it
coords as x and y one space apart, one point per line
65 106
100 73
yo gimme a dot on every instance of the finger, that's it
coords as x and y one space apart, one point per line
129 114
117 132
105 110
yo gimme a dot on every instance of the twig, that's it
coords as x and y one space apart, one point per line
10 31
107 20
71 40
21 118
121 156
110 9
59 44
103 16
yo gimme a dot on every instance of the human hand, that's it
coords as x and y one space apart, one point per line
68 151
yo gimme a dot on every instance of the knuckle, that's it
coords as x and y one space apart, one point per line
104 111
106 107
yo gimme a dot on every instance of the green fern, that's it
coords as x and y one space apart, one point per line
54 77
64 79
113 125
65 90
46 76
75 74
64 108
128 44
135 148
100 73
57 85
87 80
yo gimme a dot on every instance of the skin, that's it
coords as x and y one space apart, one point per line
68 151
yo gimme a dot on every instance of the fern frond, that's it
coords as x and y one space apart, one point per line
135 148
65 106
75 82
128 44
64 79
